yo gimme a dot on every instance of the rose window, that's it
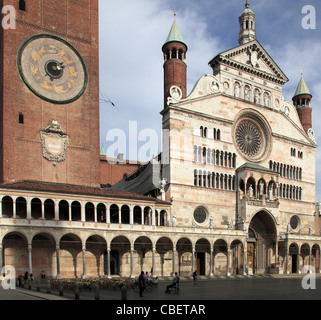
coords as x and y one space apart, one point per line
252 137
248 138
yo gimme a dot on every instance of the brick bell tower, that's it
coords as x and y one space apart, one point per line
49 93
175 67
302 101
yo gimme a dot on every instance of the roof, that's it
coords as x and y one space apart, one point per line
253 166
302 88
76 190
174 35
247 9
102 151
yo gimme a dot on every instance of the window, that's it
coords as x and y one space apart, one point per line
294 223
20 118
217 134
200 215
22 5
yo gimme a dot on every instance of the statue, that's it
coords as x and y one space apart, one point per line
261 188
162 185
237 91
270 194
211 223
251 193
174 222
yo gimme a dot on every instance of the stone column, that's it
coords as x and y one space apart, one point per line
28 208
108 262
228 263
58 262
82 211
153 217
173 265
153 259
107 213
131 215
42 209
244 258
287 257
1 259
56 210
211 262
30 257
193 258
84 261
69 211
14 204
95 212
131 261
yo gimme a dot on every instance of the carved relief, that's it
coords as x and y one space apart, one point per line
54 143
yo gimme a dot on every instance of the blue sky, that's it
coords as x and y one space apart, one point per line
132 33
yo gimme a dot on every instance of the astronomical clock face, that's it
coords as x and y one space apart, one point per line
52 69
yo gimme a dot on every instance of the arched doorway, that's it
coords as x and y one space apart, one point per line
237 258
261 243
203 251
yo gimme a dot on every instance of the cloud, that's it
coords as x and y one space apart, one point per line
131 61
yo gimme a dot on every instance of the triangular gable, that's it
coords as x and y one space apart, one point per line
252 57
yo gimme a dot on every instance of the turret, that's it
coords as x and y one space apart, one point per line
247 25
175 67
302 101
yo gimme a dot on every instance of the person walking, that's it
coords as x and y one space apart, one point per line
141 283
194 276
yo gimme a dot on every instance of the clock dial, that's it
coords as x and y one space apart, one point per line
52 69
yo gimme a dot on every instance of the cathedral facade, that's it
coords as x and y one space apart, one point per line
233 191
241 160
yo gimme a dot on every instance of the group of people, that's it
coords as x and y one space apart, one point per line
143 281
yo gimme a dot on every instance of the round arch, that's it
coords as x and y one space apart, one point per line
96 246
71 256
120 248
203 257
44 254
15 251
164 257
262 242
220 257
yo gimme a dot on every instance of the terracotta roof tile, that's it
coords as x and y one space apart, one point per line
76 189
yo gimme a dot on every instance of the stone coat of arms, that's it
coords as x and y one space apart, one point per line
54 143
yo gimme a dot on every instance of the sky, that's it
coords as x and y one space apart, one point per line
132 33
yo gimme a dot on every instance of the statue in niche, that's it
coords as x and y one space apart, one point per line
247 93
251 192
237 90
257 97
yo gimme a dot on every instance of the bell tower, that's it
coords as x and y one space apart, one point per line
49 93
247 25
302 102
175 67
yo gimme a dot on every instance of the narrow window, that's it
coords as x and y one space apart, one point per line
20 118
22 5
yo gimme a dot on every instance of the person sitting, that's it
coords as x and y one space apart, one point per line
173 284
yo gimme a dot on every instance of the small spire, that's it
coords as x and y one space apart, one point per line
247 5
174 13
